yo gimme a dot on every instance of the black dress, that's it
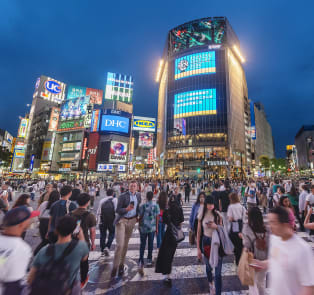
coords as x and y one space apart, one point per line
169 245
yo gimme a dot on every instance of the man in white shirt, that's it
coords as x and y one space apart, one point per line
290 260
15 254
309 199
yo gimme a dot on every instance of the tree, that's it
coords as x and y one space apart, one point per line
5 157
264 161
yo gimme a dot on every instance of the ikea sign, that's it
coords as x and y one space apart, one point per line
144 124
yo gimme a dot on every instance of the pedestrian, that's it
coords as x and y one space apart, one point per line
236 216
92 192
172 215
44 217
276 198
256 240
224 202
45 195
284 202
302 201
49 277
216 194
4 202
162 203
251 195
178 197
196 208
208 221
127 213
15 254
58 209
148 221
105 218
290 260
87 221
294 201
310 199
187 191
307 223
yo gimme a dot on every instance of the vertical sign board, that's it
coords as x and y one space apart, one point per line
54 119
93 150
253 128
31 166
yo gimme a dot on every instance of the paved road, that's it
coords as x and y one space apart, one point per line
188 274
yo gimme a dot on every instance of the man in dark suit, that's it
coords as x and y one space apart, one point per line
126 218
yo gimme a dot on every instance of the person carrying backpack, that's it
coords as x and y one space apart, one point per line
87 221
105 217
55 269
256 240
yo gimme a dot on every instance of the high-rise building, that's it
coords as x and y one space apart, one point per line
203 105
304 142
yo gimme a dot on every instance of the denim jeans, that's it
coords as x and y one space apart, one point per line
161 233
144 237
103 235
218 278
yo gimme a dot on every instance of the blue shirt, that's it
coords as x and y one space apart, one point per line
132 213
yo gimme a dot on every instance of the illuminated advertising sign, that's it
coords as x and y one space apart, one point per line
8 137
23 128
74 108
46 154
93 150
118 152
50 89
31 166
195 103
144 124
146 139
71 125
76 91
121 168
54 119
95 95
253 128
115 124
119 87
195 64
95 121
104 167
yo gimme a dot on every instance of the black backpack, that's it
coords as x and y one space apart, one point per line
107 212
82 218
52 278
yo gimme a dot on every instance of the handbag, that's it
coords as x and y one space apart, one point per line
177 232
245 272
191 237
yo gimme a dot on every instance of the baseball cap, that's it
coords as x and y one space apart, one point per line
18 215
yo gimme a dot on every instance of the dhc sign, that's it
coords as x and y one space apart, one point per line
115 124
53 86
144 124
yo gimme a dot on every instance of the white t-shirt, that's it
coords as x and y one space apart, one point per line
236 211
310 198
15 255
291 265
251 191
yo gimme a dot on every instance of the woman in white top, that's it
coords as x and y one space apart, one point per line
236 213
44 216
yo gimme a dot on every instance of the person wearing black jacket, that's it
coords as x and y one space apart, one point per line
173 214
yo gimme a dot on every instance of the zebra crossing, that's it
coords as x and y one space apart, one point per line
188 274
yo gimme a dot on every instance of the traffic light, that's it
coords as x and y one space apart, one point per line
198 170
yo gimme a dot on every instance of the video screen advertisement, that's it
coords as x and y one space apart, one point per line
146 139
115 122
22 128
119 87
75 108
96 95
118 152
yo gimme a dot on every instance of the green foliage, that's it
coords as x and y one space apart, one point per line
5 157
264 161
278 164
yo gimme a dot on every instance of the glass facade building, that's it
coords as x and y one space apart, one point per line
203 106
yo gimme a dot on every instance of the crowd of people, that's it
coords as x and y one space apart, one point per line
260 217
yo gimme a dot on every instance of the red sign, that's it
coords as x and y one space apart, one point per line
84 148
92 150
95 95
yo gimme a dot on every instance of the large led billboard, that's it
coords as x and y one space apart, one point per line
71 125
76 91
195 64
23 128
116 122
144 124
95 95
195 103
50 89
95 121
54 119
119 87
74 108
146 139
118 152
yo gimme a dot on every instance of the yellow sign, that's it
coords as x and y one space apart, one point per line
139 166
290 147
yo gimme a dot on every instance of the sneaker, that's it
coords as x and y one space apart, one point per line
212 290
121 270
141 269
149 262
83 284
106 252
168 282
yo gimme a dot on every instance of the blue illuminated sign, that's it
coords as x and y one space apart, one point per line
53 86
76 91
195 64
31 166
195 103
253 128
115 124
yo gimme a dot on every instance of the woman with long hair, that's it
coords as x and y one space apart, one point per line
173 215
236 214
285 202
44 216
162 202
23 200
197 206
294 200
208 221
256 240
